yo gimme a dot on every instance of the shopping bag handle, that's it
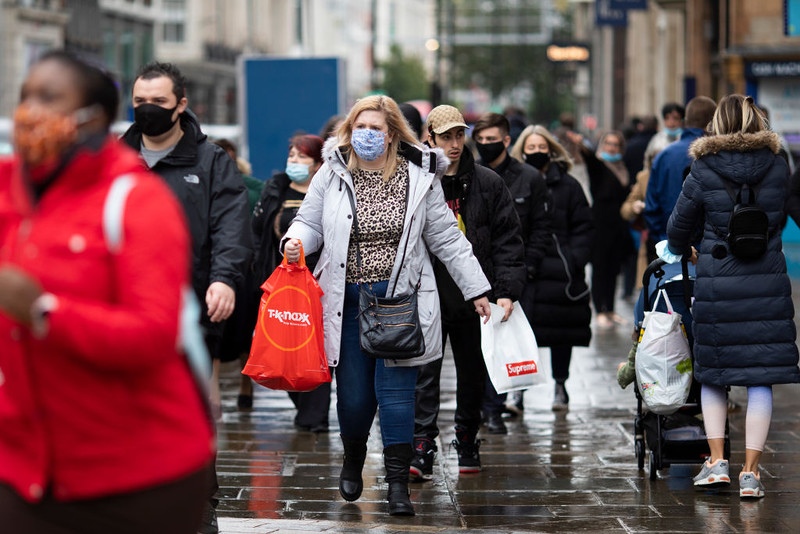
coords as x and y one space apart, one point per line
663 293
301 263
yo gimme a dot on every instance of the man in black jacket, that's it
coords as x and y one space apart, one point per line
210 188
529 191
484 209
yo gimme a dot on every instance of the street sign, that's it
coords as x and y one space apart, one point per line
628 4
280 97
568 53
605 15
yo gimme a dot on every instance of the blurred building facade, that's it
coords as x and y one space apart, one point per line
674 50
28 28
205 38
362 32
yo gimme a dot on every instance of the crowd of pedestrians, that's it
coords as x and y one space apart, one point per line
174 237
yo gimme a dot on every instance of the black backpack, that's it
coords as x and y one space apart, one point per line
748 227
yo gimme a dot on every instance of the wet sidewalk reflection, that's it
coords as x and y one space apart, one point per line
572 471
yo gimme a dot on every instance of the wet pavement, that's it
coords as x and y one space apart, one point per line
572 471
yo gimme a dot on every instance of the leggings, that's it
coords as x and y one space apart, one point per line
759 413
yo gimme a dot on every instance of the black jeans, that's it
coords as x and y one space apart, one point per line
604 282
173 508
493 402
559 359
465 340
312 406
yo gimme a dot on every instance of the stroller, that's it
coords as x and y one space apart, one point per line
678 438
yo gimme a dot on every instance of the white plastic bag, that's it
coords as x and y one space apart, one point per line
663 360
510 351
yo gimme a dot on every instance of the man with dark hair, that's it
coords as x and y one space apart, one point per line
673 115
483 208
155 69
212 193
529 191
671 167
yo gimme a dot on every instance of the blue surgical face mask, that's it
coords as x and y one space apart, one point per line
605 156
298 172
674 132
368 144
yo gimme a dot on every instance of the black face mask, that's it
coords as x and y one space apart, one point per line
537 159
490 151
153 120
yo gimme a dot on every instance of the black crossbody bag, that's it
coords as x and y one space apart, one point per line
388 326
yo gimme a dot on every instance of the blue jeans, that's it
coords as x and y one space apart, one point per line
365 384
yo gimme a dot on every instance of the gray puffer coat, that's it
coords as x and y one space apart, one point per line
324 223
743 312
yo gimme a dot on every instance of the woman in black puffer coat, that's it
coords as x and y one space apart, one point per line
743 312
557 303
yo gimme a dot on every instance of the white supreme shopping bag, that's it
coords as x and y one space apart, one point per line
510 351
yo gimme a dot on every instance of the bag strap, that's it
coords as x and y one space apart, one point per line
663 293
687 288
190 336
351 196
114 211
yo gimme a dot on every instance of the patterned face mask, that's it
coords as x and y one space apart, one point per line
368 144
42 136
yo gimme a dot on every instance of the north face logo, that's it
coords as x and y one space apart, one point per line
289 318
192 179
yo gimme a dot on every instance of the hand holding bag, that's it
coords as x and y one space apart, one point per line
288 350
388 327
510 351
663 360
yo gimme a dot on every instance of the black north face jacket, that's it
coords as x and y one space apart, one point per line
210 188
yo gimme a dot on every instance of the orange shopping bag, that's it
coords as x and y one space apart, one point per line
288 350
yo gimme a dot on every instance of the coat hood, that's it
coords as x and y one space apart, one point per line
714 144
742 158
555 171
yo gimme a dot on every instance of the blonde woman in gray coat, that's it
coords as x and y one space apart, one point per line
402 218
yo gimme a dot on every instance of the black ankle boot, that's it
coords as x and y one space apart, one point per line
397 459
350 483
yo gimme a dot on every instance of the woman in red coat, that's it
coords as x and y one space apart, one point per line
103 427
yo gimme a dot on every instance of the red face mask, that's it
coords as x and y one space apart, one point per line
42 136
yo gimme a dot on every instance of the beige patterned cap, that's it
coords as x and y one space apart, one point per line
443 118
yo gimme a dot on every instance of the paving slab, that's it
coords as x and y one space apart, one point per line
569 471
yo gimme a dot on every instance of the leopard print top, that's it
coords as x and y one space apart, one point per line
380 207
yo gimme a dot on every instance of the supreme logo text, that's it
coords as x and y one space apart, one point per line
521 368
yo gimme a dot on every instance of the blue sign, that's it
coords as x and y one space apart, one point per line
606 16
791 17
281 97
628 4
771 69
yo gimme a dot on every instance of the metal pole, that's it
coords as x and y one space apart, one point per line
250 48
373 44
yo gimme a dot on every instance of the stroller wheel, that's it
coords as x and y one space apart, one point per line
653 467
639 447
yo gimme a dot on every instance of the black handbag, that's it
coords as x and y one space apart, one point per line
388 326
